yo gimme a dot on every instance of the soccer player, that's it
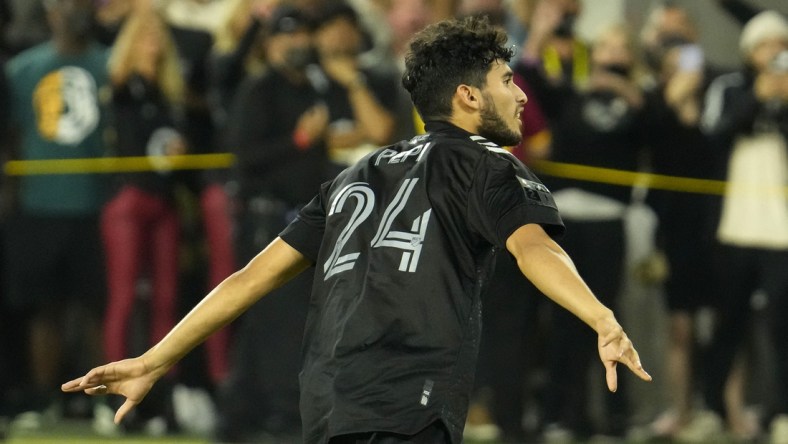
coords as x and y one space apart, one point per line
403 243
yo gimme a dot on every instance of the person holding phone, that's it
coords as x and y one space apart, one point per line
597 124
680 76
746 118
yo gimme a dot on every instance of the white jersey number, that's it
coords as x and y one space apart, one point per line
409 241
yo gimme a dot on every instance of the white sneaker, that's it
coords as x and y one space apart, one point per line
745 427
705 427
666 424
779 430
36 420
194 410
156 427
557 434
104 420
28 421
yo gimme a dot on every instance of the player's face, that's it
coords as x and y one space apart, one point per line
501 108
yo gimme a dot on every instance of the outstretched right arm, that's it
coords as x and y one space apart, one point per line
133 378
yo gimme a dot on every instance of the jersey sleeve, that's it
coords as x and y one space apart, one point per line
305 233
503 198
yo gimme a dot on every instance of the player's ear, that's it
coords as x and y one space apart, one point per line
468 96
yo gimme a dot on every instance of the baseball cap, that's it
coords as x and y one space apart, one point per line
765 25
286 19
334 9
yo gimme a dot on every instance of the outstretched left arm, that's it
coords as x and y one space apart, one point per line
551 270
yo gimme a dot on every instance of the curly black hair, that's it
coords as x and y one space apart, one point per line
447 54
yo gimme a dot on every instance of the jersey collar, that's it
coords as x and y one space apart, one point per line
443 127
446 128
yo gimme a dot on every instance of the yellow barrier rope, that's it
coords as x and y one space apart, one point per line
629 178
118 164
226 160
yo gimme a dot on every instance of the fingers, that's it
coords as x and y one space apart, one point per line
628 356
92 379
619 348
72 386
98 390
611 376
93 376
641 373
123 410
632 361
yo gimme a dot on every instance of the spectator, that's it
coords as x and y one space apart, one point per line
236 55
139 223
361 100
52 244
597 125
746 115
678 148
277 127
557 56
192 24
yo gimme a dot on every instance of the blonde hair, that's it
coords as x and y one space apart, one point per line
169 75
229 33
226 36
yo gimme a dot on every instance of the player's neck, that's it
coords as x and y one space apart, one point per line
465 121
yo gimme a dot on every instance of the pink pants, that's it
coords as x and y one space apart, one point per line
139 229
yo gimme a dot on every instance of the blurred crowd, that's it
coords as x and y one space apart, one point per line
99 266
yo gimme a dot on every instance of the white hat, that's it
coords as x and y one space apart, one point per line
767 24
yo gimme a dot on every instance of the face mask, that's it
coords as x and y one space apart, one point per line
298 58
667 41
618 69
653 54
567 26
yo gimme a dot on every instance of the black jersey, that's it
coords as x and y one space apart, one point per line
403 243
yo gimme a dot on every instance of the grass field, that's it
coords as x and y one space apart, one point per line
78 432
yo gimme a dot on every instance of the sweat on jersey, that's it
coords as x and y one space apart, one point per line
403 244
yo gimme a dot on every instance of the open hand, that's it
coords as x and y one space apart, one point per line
614 347
130 378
